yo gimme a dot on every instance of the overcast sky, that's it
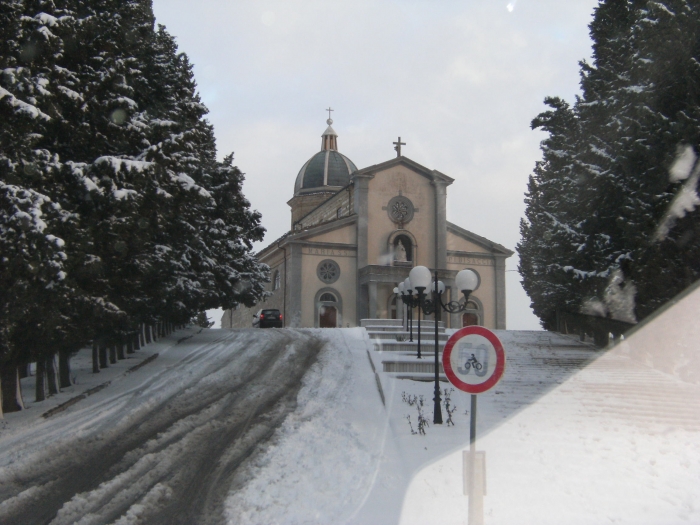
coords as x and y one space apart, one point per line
459 81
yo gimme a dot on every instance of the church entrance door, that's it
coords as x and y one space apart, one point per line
328 317
470 320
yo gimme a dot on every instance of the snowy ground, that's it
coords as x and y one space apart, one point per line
288 427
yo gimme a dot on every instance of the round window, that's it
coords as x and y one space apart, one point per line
400 209
328 271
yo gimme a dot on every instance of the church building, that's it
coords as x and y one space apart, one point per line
356 233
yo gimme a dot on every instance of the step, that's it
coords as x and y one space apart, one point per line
423 366
386 345
425 324
381 322
377 323
405 336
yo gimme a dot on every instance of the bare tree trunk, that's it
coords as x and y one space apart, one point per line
112 353
40 390
147 331
95 358
137 342
120 349
103 355
11 388
51 378
64 369
129 344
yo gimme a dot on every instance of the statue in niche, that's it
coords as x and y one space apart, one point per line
400 252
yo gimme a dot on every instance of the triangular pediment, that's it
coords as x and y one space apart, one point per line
408 163
483 242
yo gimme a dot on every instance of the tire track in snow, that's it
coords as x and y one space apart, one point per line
168 459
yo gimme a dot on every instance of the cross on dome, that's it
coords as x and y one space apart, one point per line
330 120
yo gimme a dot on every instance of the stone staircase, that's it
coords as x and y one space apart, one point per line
399 354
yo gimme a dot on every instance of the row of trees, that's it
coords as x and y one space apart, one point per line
612 226
114 211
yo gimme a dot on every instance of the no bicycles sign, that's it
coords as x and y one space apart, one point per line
474 359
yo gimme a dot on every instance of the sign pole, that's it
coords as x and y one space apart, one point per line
476 501
474 360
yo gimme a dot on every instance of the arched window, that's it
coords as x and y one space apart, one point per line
328 297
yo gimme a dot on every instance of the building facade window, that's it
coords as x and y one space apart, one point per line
328 271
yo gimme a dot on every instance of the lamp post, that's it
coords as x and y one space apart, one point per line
406 291
466 281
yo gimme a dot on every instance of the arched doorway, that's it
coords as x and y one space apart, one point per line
471 316
328 311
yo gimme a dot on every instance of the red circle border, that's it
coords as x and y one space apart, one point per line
500 359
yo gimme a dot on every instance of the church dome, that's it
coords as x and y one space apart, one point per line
326 170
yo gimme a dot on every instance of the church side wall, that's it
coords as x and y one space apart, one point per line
328 211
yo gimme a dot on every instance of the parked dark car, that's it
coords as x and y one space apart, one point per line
268 319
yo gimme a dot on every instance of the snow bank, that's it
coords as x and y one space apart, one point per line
327 453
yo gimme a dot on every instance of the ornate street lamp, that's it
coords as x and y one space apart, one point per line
400 291
466 282
408 300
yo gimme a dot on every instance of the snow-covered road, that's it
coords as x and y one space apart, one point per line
167 448
287 427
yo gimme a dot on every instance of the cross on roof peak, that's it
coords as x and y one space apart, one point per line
330 120
397 146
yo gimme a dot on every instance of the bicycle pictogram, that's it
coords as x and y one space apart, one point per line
471 362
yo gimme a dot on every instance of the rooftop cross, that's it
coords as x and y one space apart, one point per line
330 120
397 146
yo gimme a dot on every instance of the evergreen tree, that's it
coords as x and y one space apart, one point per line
103 132
639 105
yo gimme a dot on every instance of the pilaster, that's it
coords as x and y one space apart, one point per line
372 299
361 208
500 291
294 285
440 223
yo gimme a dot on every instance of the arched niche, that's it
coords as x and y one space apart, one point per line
409 243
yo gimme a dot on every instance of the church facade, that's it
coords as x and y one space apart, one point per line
356 233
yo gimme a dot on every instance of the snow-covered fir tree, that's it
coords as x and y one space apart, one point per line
604 178
100 122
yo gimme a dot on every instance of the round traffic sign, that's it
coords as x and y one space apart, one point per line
474 359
